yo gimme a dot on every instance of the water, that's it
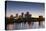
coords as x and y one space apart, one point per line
20 26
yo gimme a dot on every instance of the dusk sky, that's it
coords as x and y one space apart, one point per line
35 9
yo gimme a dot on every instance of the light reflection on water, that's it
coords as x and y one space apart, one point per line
19 26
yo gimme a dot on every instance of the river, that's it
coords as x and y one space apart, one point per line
21 26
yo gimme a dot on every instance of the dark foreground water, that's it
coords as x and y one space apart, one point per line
21 26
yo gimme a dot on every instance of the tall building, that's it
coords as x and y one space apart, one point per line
11 19
11 16
27 15
22 14
40 18
16 16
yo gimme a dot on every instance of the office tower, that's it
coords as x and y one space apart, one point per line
11 19
27 15
22 14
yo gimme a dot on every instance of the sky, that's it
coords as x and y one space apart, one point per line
35 9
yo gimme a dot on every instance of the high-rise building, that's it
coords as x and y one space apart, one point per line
16 16
40 18
11 16
11 19
22 14
27 15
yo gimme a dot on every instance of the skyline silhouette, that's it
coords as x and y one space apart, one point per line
23 15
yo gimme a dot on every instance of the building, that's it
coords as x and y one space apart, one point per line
16 17
27 15
22 15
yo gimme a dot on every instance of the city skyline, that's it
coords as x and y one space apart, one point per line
35 9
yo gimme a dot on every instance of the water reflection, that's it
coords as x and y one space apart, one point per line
27 25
